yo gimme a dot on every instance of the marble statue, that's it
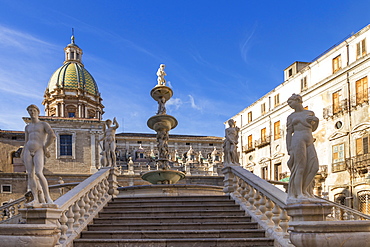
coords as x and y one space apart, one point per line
230 144
161 73
109 143
190 154
38 137
161 105
214 155
162 139
303 162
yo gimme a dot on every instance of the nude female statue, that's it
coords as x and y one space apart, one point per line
303 162
230 144
38 137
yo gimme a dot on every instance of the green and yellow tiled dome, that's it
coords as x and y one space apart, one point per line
73 75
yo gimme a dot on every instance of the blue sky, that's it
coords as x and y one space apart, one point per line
220 56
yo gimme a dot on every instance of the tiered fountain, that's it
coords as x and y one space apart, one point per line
162 124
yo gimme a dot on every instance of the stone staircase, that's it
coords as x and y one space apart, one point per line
173 221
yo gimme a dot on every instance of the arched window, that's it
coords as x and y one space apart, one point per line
363 198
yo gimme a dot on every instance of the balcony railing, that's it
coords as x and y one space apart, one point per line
248 148
338 167
333 109
262 142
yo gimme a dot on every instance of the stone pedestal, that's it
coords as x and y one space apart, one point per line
309 210
309 228
31 235
41 215
330 233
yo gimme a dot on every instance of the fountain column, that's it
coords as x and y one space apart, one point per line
162 123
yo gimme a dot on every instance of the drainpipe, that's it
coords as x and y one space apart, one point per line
270 145
349 134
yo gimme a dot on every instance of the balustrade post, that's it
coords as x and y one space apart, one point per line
262 207
113 184
228 180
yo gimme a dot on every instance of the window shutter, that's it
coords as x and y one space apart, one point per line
363 42
359 146
358 50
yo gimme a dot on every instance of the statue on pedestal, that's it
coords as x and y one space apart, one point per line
303 162
161 73
230 144
38 137
109 143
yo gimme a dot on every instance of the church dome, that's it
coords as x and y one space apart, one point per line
73 75
72 91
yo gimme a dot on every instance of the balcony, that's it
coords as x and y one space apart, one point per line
359 163
333 110
248 148
262 142
338 167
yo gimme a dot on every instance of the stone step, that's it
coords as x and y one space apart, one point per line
174 203
169 234
170 219
110 226
194 242
113 214
174 198
170 208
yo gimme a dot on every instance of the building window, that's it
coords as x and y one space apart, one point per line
338 153
263 135
6 188
276 100
304 83
278 171
290 72
337 63
71 114
362 145
250 141
250 117
210 144
263 108
361 91
264 173
65 145
336 104
364 202
187 144
277 130
361 49
139 142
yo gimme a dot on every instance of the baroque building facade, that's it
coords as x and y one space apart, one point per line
334 86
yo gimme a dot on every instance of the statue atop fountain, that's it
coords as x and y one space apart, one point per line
162 123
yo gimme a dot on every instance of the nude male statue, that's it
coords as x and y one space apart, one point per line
161 73
109 143
38 137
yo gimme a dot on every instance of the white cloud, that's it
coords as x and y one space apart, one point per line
177 102
246 44
192 102
19 40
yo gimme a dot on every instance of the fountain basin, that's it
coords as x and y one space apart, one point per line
164 121
163 176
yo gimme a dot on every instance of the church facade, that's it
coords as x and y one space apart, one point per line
335 87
